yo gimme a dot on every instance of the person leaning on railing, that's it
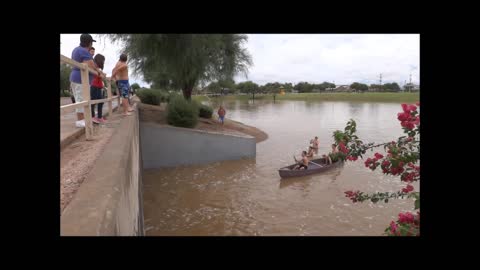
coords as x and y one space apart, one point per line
96 90
81 54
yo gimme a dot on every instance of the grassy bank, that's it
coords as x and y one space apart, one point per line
371 97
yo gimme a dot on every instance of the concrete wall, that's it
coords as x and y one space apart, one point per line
166 146
109 202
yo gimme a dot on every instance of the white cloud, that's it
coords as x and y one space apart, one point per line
342 58
333 57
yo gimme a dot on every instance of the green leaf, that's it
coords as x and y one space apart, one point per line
417 204
386 200
404 229
394 162
374 199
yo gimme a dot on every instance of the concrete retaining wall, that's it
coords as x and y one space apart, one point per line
166 146
110 201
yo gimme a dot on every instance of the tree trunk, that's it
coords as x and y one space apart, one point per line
187 92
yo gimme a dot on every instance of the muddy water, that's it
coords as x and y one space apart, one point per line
247 197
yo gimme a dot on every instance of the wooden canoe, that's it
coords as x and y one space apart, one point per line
314 166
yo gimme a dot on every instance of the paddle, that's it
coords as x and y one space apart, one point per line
316 163
309 161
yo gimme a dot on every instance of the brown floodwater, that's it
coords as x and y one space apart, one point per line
248 198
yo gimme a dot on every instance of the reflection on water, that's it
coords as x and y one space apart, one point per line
247 197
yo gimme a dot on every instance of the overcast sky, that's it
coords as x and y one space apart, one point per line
315 58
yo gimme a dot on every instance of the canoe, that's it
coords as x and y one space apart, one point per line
314 166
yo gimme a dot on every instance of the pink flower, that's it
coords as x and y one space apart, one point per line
393 227
378 156
403 116
407 189
385 163
352 195
352 158
418 103
406 217
405 108
367 162
409 125
342 147
412 108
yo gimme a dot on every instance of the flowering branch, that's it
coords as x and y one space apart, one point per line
401 160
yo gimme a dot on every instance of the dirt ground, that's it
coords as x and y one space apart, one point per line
157 114
78 158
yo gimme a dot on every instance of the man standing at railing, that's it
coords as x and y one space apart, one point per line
120 74
81 54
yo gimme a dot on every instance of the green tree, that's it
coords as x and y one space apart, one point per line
158 80
303 87
227 84
376 87
272 88
214 87
135 86
325 85
65 71
288 87
392 87
248 87
359 86
186 59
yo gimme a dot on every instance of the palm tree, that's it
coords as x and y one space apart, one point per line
182 61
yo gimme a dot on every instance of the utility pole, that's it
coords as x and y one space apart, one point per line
380 82
410 88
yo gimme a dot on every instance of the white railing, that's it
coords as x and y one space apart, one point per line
86 104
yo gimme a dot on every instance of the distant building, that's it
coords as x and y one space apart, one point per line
374 89
342 88
411 87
